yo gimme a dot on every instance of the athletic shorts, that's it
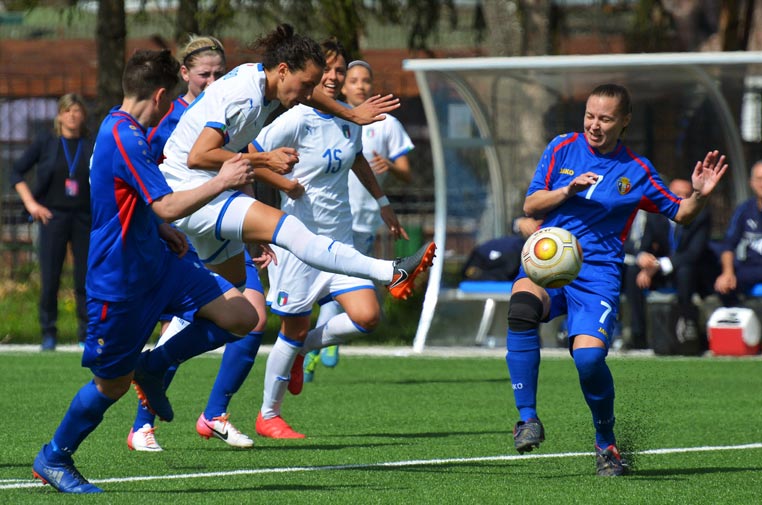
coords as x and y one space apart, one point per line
216 229
295 286
252 282
590 302
252 275
118 331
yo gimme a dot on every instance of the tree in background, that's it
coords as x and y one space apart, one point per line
111 37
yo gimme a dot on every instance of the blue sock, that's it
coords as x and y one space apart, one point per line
237 361
84 415
523 360
143 416
197 338
598 388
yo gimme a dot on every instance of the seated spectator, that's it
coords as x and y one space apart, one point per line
741 256
668 255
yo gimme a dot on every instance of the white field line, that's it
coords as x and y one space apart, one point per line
19 483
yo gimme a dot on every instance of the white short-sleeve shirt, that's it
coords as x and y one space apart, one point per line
234 104
389 139
327 147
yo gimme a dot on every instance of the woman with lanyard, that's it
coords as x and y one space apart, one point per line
60 202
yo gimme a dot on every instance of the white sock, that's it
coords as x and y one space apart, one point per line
337 330
277 374
327 311
329 255
173 328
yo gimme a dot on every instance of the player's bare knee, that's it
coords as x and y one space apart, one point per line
366 319
525 311
113 388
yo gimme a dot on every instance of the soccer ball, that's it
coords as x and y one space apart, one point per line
551 257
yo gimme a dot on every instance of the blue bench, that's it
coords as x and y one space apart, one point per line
756 291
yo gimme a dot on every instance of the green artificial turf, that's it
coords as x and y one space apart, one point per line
406 430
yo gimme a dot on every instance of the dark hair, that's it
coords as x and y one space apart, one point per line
332 46
146 71
615 91
283 45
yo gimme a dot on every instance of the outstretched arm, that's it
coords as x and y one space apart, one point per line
370 111
705 177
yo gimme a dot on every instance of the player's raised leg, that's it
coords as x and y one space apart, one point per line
263 223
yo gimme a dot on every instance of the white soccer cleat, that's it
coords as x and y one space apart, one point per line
143 439
219 427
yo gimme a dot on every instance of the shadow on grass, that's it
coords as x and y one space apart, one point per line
440 434
417 382
248 489
669 473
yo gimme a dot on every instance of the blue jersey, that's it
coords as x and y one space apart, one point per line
158 135
126 256
744 235
601 216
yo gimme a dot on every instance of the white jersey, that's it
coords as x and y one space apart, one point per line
234 104
327 147
390 140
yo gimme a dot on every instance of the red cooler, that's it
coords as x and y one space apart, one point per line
733 331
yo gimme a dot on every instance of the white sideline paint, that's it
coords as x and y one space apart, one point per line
18 483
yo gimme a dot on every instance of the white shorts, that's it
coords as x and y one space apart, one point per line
295 286
216 229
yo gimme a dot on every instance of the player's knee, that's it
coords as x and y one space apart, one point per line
589 361
524 311
367 325
114 388
366 319
243 321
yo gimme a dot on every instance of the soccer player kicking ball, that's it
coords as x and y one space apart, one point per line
136 270
592 185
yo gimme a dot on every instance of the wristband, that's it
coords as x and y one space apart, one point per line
382 201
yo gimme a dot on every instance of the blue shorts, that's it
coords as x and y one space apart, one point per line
118 331
252 282
252 275
590 302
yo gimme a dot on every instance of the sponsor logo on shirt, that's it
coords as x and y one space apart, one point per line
566 171
623 185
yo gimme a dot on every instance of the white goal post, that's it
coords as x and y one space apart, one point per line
490 118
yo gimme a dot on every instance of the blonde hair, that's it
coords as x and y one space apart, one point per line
199 45
65 103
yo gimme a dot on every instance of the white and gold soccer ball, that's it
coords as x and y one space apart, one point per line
551 257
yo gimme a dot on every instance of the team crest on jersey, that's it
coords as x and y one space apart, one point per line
345 130
623 185
282 298
369 133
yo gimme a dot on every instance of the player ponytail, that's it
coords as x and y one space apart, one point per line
282 45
